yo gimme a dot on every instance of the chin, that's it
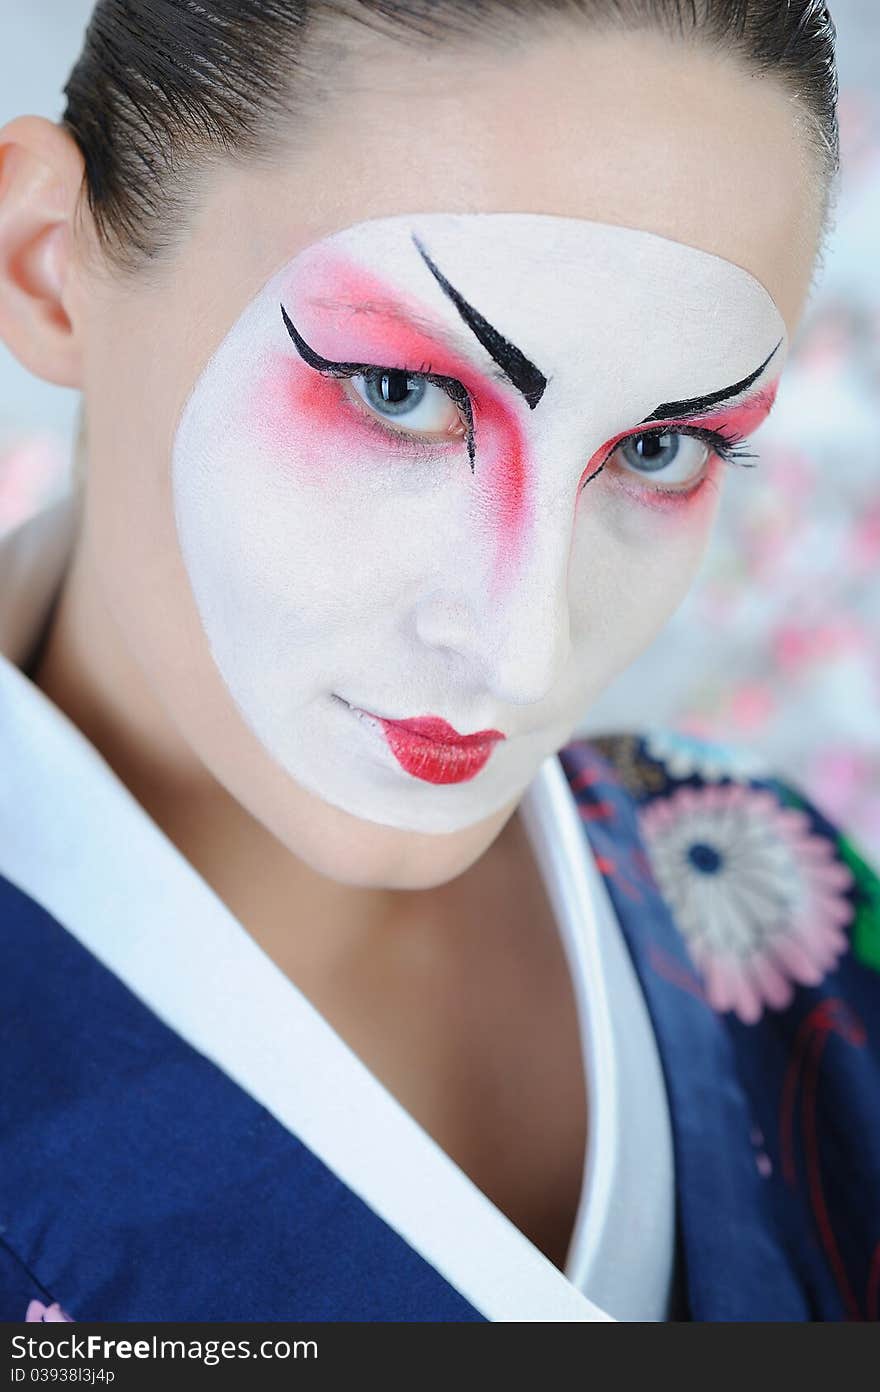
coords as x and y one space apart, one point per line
370 855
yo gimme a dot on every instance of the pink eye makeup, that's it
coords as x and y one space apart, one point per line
385 331
363 298
381 361
722 431
389 380
356 303
401 354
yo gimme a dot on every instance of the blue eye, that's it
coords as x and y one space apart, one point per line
408 402
675 458
393 392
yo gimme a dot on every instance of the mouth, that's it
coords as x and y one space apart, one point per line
429 748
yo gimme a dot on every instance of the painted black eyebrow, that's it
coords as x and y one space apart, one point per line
698 405
525 376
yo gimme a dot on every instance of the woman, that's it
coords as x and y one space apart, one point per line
413 343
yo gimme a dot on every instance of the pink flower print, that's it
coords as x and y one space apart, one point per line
46 1314
758 897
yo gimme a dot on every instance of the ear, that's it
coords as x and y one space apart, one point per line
41 171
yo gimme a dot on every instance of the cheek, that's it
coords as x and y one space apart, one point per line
635 559
281 562
307 426
647 526
683 514
303 419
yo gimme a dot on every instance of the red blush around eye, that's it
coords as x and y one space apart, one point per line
744 418
340 310
302 414
740 420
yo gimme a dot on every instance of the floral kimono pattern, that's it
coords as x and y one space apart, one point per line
777 942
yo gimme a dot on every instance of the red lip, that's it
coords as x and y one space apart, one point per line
432 727
428 747
435 757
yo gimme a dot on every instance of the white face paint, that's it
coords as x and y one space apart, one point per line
481 548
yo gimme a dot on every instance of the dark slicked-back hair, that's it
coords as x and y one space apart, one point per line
163 87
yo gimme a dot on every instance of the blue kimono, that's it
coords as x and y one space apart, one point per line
183 1137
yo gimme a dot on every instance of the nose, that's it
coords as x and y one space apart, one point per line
515 641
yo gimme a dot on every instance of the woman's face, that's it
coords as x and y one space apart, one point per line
425 425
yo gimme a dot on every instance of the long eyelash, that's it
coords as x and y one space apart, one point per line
727 447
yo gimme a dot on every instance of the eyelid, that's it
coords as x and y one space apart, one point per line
713 436
455 389
374 415
441 379
459 396
724 446
431 330
401 437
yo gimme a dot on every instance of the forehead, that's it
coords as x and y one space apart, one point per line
628 128
581 299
